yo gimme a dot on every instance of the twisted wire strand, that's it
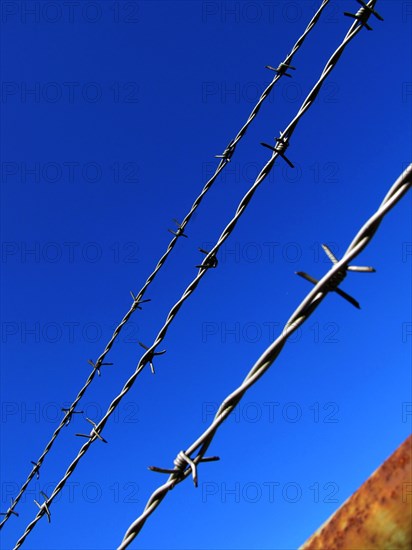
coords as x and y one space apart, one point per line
300 315
287 61
148 355
137 299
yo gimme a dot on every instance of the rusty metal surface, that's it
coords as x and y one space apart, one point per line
378 515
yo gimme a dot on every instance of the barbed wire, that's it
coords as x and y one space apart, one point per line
138 299
185 464
210 260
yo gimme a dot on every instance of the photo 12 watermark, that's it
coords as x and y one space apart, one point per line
252 11
266 11
64 332
52 412
71 12
327 172
89 492
406 251
232 92
251 332
271 492
407 412
272 252
68 172
69 252
275 412
68 92
406 332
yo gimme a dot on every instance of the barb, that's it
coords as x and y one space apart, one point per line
281 69
94 433
9 511
363 14
179 231
282 144
137 300
338 277
150 355
69 418
44 507
209 262
181 461
354 29
301 314
36 467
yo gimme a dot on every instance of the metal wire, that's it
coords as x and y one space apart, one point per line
147 357
225 159
181 470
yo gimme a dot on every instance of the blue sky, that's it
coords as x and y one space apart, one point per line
112 113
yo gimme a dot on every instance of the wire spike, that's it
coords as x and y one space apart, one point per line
334 260
179 231
97 365
209 459
44 506
282 143
138 302
37 466
370 10
93 364
181 462
228 152
94 430
151 355
181 458
160 470
329 254
144 346
93 433
281 69
361 269
332 285
10 510
208 263
70 415
363 14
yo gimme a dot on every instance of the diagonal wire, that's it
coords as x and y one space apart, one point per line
280 72
301 314
229 151
148 355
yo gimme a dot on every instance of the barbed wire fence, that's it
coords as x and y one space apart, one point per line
209 261
185 464
280 71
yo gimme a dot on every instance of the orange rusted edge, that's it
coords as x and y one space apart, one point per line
378 515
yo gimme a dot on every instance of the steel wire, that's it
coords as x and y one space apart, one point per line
148 355
300 315
138 298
